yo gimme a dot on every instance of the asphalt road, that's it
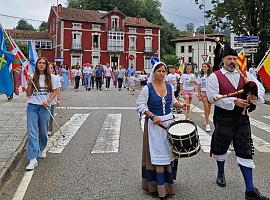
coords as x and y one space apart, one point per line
76 173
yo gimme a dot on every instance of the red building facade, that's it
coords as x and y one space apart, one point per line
88 36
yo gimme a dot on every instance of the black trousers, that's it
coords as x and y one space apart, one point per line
92 81
231 126
77 82
120 82
98 82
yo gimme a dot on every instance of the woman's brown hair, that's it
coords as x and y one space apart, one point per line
47 74
208 71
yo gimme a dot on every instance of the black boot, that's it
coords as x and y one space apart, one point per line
255 195
221 180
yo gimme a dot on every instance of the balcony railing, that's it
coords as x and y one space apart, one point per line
148 50
76 46
117 29
116 48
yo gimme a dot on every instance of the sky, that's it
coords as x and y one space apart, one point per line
179 12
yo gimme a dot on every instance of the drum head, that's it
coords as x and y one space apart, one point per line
181 128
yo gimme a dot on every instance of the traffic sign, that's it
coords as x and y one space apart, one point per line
204 57
246 44
251 50
246 39
59 59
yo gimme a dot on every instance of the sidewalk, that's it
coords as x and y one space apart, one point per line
12 133
267 98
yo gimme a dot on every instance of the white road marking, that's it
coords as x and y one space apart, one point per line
100 108
266 117
260 125
108 138
20 192
258 143
57 142
205 140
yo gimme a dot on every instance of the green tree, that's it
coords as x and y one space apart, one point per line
43 26
170 59
23 25
190 27
245 17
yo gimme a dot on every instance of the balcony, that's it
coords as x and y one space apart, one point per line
76 47
117 29
119 48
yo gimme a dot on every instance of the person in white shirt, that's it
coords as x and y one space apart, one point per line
41 90
143 78
87 71
173 78
202 83
231 121
252 70
187 87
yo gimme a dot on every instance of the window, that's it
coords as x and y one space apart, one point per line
96 27
76 26
37 44
182 49
115 24
132 30
210 49
116 41
132 43
189 49
76 42
210 60
148 31
43 45
148 44
190 59
96 41
49 45
147 65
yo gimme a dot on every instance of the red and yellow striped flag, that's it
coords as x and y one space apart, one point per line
242 61
264 71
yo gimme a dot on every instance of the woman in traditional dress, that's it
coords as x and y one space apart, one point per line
158 165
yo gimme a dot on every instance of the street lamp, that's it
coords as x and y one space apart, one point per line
202 6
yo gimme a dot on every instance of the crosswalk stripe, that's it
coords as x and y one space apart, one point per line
205 140
99 108
57 143
266 117
260 125
108 138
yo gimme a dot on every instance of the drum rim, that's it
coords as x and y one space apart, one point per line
181 121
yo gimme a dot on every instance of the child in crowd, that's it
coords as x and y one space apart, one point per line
131 83
187 87
202 83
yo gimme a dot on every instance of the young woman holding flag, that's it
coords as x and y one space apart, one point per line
41 90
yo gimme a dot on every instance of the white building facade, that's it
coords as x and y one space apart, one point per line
192 49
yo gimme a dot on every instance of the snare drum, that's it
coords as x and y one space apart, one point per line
183 136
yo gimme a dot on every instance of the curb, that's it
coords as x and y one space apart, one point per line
6 171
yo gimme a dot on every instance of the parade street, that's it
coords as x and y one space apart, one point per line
99 156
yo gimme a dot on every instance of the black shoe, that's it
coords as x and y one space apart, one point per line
221 180
255 195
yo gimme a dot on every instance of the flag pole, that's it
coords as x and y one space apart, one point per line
11 41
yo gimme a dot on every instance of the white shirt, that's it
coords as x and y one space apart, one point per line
87 70
172 79
58 85
202 81
234 77
43 94
185 80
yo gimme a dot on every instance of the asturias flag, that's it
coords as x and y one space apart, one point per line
6 83
33 56
264 71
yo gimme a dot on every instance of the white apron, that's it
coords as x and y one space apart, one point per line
159 145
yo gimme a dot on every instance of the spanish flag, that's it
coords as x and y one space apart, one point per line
242 61
264 71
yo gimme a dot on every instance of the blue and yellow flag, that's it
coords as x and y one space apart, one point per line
6 83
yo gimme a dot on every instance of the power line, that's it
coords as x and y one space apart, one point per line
16 17
192 19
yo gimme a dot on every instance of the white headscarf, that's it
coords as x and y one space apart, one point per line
150 79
